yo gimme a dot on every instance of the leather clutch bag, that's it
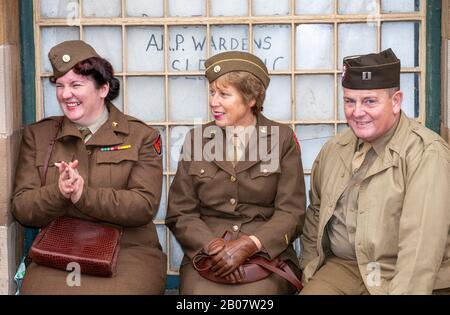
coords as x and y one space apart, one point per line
92 245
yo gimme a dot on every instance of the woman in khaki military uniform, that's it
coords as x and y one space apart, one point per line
88 179
241 173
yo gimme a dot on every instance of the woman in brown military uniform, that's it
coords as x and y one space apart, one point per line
247 179
111 174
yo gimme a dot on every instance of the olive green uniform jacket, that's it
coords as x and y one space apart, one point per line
403 214
208 196
122 188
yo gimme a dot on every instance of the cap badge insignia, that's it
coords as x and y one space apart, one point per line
66 58
217 69
366 75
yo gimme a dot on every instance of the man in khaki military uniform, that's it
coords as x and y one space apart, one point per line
255 190
105 167
379 214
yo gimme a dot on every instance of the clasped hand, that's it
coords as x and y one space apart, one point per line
228 256
70 182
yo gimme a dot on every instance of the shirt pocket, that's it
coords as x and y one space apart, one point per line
112 168
264 182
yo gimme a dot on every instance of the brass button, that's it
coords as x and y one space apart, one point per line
235 228
202 171
264 171
351 230
89 152
115 124
232 201
217 69
66 58
232 178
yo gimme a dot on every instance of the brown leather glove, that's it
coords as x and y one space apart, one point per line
232 256
214 246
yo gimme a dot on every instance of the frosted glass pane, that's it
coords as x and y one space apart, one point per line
181 8
228 37
51 36
314 94
107 41
271 7
356 39
307 187
177 136
357 7
314 46
118 102
59 9
312 138
341 114
145 8
403 38
101 8
51 105
278 98
272 43
176 254
388 6
163 204
188 98
187 47
409 84
314 7
161 230
229 7
145 48
146 99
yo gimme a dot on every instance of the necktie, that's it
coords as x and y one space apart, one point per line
85 132
359 156
237 149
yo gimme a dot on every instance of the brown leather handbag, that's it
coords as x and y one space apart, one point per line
255 268
92 245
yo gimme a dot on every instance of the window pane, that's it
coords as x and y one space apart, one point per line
229 8
180 8
277 104
356 39
187 45
188 98
59 9
145 8
357 7
314 7
307 187
403 38
341 128
163 204
177 135
271 7
161 230
311 52
176 254
101 8
228 37
272 43
312 138
314 94
107 41
409 84
341 114
146 99
51 105
145 48
51 36
389 6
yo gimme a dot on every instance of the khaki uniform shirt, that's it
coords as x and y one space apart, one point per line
403 214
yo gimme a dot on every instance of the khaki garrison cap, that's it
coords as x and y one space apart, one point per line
229 61
67 54
372 71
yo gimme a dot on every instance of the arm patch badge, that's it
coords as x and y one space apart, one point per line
157 145
297 144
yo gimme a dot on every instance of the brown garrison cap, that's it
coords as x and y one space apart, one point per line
229 61
372 71
67 54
